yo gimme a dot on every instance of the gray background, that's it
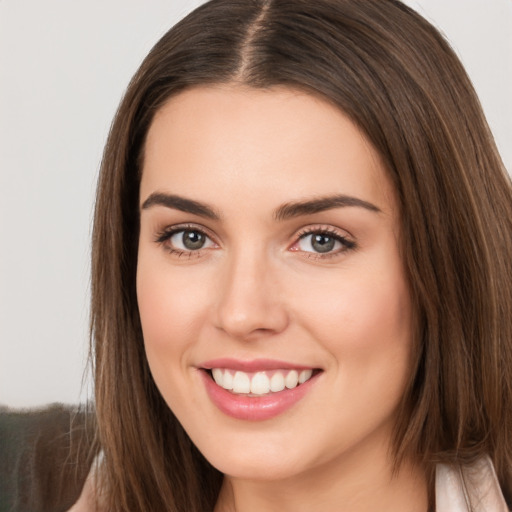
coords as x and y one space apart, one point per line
63 68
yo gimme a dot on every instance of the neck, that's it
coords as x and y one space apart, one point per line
360 485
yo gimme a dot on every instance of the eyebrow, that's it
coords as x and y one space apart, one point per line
284 212
300 208
180 203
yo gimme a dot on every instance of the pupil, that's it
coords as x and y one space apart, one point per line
322 243
193 240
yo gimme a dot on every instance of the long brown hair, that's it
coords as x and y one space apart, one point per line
394 75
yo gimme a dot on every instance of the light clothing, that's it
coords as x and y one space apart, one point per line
472 488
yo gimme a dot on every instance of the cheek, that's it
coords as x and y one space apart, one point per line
364 323
171 307
360 313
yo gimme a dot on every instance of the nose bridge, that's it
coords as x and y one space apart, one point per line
249 299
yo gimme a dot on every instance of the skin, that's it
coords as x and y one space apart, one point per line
260 289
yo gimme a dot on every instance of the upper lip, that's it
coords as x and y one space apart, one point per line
254 365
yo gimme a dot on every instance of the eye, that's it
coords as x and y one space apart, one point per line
188 240
181 240
322 243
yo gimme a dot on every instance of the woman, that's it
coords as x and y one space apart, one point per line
301 291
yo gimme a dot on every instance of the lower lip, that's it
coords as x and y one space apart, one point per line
255 408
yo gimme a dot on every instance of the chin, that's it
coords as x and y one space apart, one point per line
269 454
255 469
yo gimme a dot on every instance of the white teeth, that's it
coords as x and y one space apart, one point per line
292 379
241 383
277 382
227 381
305 375
260 383
218 376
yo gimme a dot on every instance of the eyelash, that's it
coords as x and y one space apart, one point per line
165 235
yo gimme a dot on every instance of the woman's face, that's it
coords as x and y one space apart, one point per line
268 260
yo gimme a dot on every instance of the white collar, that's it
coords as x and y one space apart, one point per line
472 488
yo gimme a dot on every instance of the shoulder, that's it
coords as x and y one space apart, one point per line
87 500
90 499
472 487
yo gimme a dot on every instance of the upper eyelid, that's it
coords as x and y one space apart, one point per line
176 228
323 228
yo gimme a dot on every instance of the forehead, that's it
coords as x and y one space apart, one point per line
275 144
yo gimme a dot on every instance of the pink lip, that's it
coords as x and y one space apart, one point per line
256 365
253 408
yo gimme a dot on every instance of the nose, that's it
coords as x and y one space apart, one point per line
250 302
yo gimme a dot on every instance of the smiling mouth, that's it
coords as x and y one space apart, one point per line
262 382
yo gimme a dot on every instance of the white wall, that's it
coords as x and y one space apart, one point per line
63 68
